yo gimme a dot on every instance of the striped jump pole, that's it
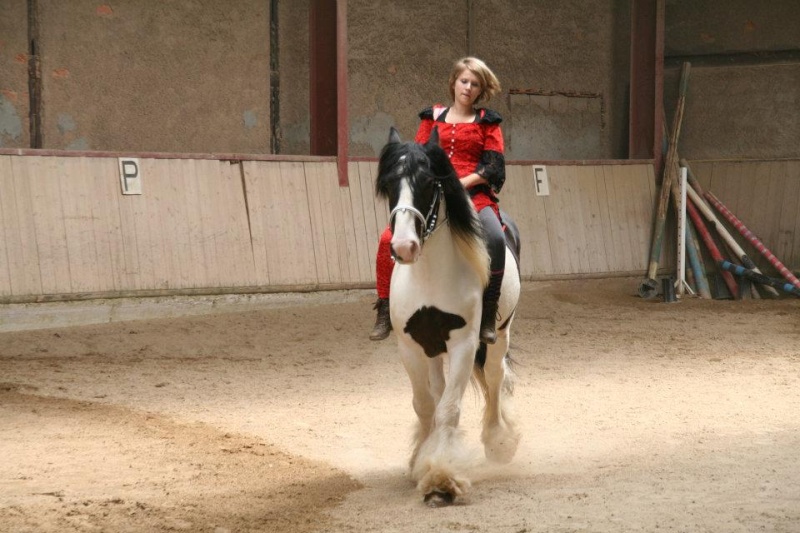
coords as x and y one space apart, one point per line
701 228
758 277
755 241
726 236
693 183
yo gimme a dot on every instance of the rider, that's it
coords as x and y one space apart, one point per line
473 140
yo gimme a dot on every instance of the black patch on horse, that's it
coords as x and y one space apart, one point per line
430 328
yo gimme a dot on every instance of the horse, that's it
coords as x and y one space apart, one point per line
441 269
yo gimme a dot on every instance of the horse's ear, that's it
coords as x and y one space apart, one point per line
433 140
394 136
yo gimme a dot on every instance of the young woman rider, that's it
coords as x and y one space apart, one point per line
473 140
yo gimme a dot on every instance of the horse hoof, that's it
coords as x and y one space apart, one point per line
439 499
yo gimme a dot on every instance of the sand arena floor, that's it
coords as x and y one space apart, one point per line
636 416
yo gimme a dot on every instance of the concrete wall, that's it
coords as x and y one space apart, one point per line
401 54
744 91
562 47
294 121
740 112
14 103
152 76
194 76
400 57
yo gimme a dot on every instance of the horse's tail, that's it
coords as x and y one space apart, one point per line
478 379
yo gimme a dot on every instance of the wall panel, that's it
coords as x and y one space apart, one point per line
280 222
519 200
217 226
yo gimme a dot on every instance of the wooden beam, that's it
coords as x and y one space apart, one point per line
343 130
274 78
323 76
328 65
647 79
34 75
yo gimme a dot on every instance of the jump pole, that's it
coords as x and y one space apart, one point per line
725 234
755 241
649 286
696 260
693 183
758 277
712 247
680 283
692 246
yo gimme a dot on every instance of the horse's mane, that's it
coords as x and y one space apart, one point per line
431 162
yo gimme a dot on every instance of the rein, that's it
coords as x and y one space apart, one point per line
428 222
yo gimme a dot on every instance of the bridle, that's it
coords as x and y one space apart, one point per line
428 221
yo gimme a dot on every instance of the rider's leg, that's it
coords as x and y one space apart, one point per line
496 245
383 275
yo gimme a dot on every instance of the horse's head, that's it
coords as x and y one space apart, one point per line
411 177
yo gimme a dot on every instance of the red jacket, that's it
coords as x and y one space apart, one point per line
472 147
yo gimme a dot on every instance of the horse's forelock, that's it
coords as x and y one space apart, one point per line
460 213
402 161
391 155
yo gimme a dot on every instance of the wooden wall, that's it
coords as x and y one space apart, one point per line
211 226
597 219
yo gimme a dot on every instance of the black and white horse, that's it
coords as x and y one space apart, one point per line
441 269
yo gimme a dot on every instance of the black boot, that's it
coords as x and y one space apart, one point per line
491 295
383 323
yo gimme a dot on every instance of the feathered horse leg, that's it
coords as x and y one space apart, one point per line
441 459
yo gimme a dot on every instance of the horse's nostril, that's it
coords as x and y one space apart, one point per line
406 251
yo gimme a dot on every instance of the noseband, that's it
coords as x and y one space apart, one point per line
428 222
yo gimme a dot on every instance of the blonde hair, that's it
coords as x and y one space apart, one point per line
490 86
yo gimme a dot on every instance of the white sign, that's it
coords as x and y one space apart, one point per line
540 180
130 175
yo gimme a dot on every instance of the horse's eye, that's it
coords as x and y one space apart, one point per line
429 182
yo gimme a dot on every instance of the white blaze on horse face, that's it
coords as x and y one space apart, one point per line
405 241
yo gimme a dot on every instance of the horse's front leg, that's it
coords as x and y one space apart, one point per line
424 400
436 377
441 459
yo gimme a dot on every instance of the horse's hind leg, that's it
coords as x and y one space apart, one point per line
500 435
